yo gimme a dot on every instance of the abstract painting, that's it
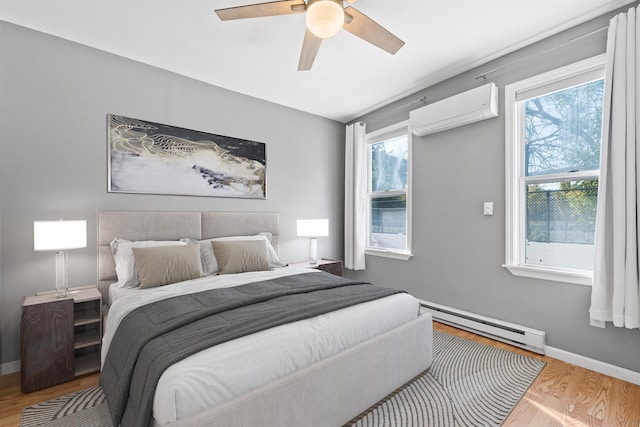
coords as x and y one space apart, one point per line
152 158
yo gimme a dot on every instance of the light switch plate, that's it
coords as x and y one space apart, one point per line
488 208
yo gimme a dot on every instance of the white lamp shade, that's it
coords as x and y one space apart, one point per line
313 227
325 18
59 235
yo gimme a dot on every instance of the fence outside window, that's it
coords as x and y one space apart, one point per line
561 216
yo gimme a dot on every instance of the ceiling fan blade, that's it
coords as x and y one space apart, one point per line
360 25
310 48
274 8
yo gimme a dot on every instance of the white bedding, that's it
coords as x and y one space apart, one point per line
219 374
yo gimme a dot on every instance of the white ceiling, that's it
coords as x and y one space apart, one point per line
259 57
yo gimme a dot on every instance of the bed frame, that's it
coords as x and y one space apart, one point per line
328 393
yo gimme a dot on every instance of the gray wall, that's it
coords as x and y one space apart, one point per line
54 99
458 251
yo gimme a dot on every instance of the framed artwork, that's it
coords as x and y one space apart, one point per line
152 158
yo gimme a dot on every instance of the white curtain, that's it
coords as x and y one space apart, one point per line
355 191
614 296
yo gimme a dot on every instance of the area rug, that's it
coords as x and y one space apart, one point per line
469 384
84 408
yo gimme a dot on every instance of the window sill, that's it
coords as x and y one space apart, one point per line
574 277
388 253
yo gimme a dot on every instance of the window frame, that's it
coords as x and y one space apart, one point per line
397 129
515 179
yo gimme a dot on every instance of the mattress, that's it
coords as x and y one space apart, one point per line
224 372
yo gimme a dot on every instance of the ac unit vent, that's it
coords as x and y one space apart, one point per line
468 107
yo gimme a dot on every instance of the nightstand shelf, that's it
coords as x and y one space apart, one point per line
86 312
86 362
61 337
86 338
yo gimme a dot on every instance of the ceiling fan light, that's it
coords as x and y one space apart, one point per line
325 18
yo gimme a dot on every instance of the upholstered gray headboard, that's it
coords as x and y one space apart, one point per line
153 225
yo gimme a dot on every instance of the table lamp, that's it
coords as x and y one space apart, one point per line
313 228
60 236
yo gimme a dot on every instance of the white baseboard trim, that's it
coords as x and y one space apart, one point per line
594 365
10 367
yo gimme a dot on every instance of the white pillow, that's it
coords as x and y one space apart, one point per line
209 262
126 262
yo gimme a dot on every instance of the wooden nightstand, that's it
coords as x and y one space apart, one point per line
329 265
60 337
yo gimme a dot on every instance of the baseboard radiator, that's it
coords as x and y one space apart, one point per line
519 336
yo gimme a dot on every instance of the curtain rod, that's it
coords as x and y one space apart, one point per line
484 75
422 99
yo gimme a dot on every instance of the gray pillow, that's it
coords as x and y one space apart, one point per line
239 256
163 265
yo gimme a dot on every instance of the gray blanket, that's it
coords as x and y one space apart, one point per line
155 336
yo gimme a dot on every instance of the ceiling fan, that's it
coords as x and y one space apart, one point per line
324 18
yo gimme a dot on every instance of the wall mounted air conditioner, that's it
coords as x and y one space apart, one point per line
474 105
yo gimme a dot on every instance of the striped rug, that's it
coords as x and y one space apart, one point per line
84 408
469 384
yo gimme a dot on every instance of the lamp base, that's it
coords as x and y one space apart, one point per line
61 274
313 251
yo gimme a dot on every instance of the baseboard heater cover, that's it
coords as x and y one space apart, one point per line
510 333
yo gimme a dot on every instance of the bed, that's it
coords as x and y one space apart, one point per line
319 371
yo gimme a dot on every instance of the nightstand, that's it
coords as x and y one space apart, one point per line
60 337
329 265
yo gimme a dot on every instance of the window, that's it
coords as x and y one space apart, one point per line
388 192
553 136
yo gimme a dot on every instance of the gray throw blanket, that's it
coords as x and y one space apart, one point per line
155 336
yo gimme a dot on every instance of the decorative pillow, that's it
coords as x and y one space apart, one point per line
239 256
163 265
125 261
209 262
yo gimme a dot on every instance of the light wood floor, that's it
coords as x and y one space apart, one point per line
567 395
562 395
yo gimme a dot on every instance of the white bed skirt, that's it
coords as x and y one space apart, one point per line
333 391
